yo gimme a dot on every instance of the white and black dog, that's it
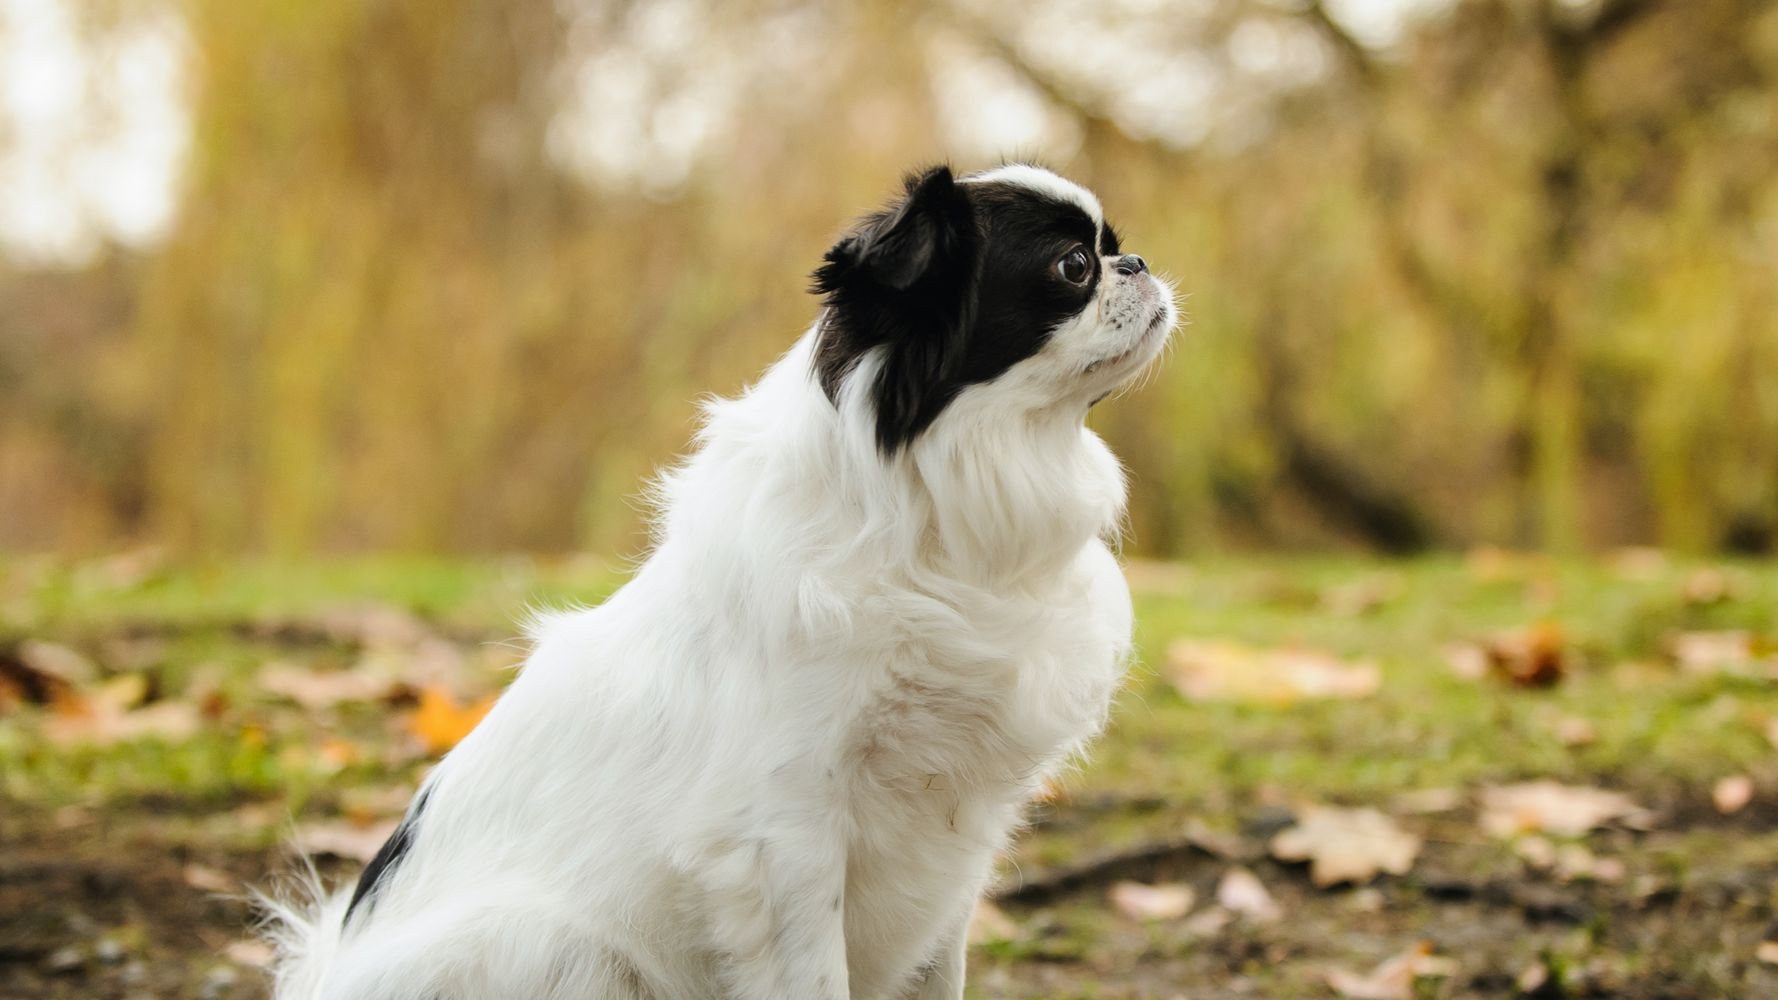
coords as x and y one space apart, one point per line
880 611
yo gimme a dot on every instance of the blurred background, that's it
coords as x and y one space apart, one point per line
442 275
336 334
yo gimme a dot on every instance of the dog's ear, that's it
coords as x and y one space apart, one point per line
900 282
922 235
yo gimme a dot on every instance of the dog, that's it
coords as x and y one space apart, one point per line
881 609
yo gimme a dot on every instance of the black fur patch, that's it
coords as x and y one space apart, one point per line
956 283
387 857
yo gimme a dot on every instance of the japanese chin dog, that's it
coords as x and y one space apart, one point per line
880 610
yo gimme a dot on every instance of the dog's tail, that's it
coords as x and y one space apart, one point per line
302 922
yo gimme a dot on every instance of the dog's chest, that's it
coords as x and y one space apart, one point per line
943 757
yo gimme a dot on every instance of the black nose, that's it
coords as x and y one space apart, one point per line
1130 264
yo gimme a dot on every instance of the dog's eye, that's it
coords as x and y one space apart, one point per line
1075 267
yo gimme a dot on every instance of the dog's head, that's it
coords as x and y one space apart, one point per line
1011 277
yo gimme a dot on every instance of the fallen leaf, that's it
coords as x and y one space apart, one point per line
1574 861
1731 794
441 722
1492 564
1240 891
121 693
1347 845
1767 952
1734 652
53 660
1552 807
207 879
100 724
1530 657
317 689
1424 801
1574 731
347 841
1709 586
1394 978
1151 576
1538 852
1220 670
1467 660
1207 922
989 924
1638 563
1226 846
251 952
1362 596
1366 900
1137 901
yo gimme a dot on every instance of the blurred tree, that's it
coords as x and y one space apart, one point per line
449 274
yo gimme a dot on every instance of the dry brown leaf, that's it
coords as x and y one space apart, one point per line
1709 586
441 722
56 661
375 625
1574 731
1425 801
1168 901
1394 978
1151 576
100 724
1226 846
1356 598
1531 657
348 841
208 879
989 924
1538 852
1347 845
1731 794
1240 891
1221 670
1467 660
1552 807
251 952
1638 563
1493 564
1207 922
1533 977
1733 652
318 689
121 693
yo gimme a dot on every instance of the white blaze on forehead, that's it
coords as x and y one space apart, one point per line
1045 183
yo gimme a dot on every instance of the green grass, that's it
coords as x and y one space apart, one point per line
1661 734
1658 730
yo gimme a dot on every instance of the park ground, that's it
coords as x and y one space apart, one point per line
1470 776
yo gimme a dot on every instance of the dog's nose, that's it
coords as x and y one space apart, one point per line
1130 264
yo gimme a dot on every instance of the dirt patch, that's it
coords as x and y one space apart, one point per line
95 910
103 907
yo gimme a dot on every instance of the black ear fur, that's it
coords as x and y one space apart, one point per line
901 280
894 248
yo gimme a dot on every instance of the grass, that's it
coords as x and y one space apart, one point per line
1662 734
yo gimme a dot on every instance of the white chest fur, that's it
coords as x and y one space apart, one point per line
949 747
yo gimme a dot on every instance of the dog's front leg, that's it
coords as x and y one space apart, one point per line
944 974
779 909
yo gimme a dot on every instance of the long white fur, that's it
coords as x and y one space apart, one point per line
778 763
